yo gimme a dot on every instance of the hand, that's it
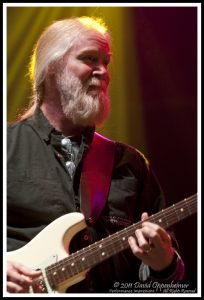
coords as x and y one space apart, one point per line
152 244
19 277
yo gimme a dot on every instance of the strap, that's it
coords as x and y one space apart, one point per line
96 176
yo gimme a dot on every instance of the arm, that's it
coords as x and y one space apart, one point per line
153 246
163 261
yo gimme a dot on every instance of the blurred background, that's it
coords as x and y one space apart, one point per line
153 90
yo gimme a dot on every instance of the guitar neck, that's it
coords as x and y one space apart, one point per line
92 255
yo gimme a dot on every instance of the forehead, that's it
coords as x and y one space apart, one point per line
93 41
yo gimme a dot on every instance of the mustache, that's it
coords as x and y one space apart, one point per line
96 82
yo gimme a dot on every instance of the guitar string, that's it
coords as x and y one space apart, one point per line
110 240
75 271
121 232
126 230
168 215
79 263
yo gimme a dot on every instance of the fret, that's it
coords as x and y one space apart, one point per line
171 214
176 212
186 204
62 271
121 238
119 243
181 211
77 266
52 278
90 256
164 218
82 262
159 219
152 218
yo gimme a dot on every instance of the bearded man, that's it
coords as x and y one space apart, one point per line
58 164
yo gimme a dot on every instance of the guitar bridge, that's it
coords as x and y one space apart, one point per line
39 285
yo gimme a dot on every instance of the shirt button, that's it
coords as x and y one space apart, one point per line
90 220
77 207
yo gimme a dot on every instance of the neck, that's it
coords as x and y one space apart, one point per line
58 120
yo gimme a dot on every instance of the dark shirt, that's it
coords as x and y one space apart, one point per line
41 190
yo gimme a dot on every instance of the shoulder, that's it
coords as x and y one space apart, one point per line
18 125
126 154
18 129
19 134
131 154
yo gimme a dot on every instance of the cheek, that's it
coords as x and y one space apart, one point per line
85 74
81 71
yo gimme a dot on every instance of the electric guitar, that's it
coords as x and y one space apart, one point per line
48 251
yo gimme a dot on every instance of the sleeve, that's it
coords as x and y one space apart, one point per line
152 200
173 272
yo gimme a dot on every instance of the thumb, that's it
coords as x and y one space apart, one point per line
144 216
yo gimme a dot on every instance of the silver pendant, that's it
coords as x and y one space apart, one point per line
66 144
70 168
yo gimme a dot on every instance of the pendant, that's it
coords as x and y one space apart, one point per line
70 168
66 144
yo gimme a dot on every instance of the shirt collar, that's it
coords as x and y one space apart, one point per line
42 125
45 129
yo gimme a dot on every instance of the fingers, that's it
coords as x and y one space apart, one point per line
155 233
142 239
136 250
21 269
152 244
13 287
144 216
19 277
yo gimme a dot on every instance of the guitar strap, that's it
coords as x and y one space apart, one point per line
96 177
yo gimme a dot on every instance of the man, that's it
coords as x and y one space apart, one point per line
50 151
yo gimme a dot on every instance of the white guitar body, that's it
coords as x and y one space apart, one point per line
48 250
56 238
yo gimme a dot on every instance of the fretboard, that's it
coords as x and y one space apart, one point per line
92 255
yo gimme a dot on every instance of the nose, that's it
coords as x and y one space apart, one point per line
101 72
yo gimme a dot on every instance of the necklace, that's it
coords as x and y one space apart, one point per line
66 146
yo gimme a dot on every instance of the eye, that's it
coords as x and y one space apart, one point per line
90 58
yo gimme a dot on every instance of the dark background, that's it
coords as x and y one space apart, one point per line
168 76
153 94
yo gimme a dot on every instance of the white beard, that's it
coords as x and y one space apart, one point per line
82 107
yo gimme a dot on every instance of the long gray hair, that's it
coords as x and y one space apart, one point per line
56 40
